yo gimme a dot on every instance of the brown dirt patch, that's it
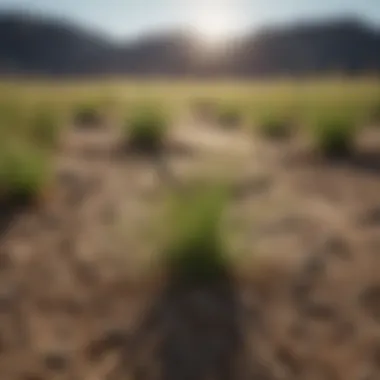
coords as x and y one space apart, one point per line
73 297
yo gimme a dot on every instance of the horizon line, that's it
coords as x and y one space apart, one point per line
148 33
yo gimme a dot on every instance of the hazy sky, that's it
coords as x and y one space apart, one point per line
212 18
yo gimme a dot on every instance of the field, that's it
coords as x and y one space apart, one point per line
184 230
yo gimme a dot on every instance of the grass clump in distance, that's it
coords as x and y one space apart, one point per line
275 126
146 129
24 173
87 115
229 116
375 114
44 127
196 253
13 119
334 136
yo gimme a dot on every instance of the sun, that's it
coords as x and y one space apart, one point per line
213 22
213 28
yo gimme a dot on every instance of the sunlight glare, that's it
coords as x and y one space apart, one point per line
213 27
213 21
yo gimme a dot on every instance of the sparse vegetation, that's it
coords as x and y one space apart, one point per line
89 247
275 126
146 129
24 172
45 127
376 110
87 114
334 135
13 118
196 250
229 115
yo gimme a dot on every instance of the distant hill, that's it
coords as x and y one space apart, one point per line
346 46
41 46
32 45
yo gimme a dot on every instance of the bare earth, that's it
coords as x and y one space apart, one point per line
74 303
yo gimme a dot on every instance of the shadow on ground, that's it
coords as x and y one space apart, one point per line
191 332
9 210
367 160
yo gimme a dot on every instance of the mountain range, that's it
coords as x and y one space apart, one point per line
32 45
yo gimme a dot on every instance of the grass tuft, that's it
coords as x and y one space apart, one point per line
334 136
24 172
45 127
87 115
13 118
275 126
146 129
196 252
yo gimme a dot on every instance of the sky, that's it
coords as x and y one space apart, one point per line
211 18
